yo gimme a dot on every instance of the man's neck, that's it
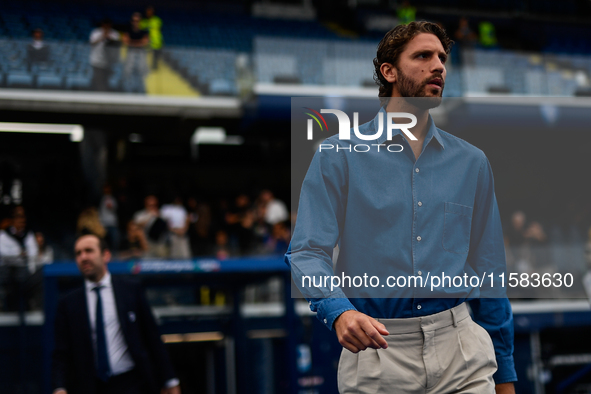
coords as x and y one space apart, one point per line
398 104
98 279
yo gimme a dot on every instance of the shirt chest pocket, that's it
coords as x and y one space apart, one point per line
456 228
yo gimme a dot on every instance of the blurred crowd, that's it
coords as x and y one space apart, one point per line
185 228
258 224
142 35
20 245
177 227
23 252
124 49
562 246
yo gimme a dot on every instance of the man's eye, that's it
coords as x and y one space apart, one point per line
443 59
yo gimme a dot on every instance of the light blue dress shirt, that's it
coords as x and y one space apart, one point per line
391 215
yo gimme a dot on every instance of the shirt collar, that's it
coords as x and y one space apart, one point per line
432 132
105 282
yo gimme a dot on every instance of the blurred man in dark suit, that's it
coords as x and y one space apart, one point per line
106 339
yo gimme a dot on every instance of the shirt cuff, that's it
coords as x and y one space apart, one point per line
331 308
506 370
171 383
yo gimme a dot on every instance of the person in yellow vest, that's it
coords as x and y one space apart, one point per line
406 13
153 24
488 37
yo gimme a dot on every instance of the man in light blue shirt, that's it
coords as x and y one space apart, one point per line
425 208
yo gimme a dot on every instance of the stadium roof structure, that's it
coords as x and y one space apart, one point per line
117 103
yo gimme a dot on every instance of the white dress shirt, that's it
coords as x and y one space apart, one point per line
120 360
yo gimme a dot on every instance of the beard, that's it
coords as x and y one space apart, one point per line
415 93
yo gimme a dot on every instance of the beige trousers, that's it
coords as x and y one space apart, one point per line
442 353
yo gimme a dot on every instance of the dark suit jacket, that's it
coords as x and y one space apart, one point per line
73 357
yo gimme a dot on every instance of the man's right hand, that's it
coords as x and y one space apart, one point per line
357 331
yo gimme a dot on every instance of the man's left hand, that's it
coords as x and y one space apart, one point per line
171 390
505 388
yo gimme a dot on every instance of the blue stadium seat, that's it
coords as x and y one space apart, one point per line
48 80
221 87
19 79
78 82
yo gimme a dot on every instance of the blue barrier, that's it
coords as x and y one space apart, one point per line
234 274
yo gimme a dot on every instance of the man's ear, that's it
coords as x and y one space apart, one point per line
389 72
107 256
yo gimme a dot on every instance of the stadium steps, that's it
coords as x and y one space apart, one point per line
341 31
166 81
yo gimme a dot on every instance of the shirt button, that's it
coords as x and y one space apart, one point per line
420 204
420 273
419 307
419 238
309 302
416 170
325 321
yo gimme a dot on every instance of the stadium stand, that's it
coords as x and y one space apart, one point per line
202 47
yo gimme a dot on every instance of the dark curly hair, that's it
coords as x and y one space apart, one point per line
394 42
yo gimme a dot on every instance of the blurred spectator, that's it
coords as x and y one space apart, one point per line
45 255
154 227
536 240
18 246
153 25
104 53
136 67
177 219
588 252
535 233
488 36
517 252
526 243
34 284
37 51
135 245
464 35
261 229
90 223
222 248
18 250
108 217
406 13
240 221
515 234
199 227
275 210
125 209
279 239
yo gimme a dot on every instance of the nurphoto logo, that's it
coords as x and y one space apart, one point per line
345 129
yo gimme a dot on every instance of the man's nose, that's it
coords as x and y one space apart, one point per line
437 65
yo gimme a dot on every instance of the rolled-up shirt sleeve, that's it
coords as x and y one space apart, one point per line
327 309
487 255
496 317
321 214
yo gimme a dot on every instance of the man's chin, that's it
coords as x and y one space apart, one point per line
90 275
425 102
